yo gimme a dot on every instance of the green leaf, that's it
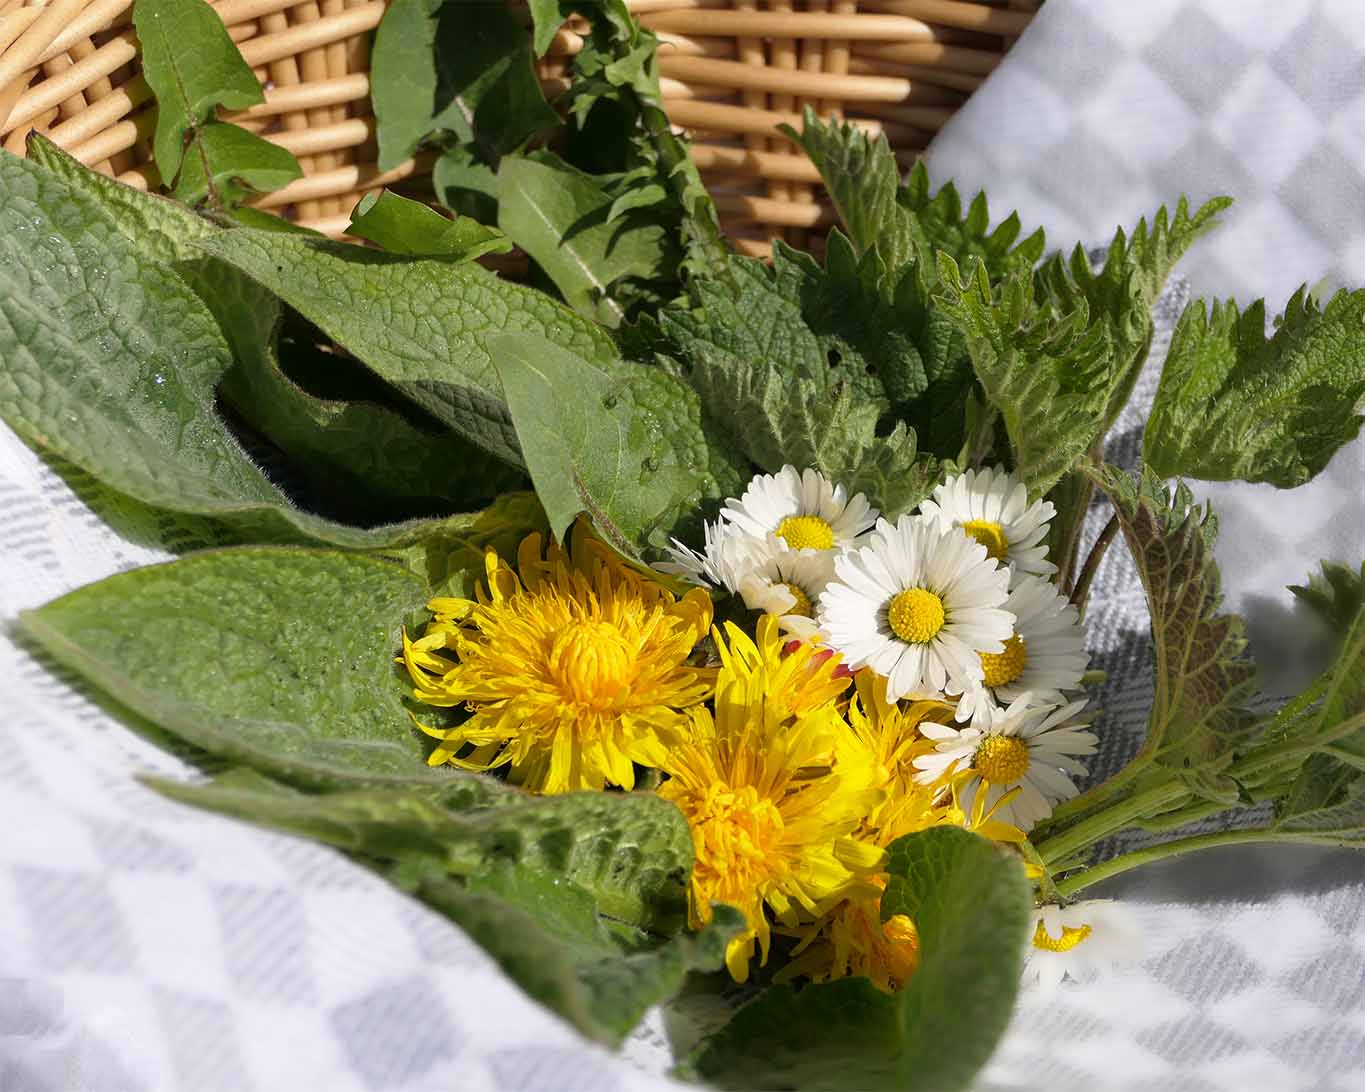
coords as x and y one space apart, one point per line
1336 593
560 217
970 903
569 893
233 163
456 66
419 324
192 66
546 19
115 350
466 185
545 935
1126 288
631 852
905 223
372 459
403 226
1324 806
1234 404
1044 372
622 442
1202 676
276 658
800 365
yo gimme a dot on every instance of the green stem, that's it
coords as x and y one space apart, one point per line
1117 865
1092 799
1088 831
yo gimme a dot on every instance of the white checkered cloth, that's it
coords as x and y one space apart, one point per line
147 946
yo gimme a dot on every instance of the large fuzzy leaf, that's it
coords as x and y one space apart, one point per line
970 903
623 443
276 658
420 324
578 897
1234 403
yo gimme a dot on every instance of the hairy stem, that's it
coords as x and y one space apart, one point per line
1081 593
1088 831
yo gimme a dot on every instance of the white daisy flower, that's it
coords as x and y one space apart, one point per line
917 606
805 510
1045 656
1029 747
1079 941
727 557
789 584
992 506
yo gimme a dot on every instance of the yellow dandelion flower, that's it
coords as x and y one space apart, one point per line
795 678
884 736
771 814
853 940
883 740
572 667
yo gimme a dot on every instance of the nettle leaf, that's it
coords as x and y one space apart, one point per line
1336 593
1324 806
905 223
1202 673
597 255
404 226
192 67
1330 715
420 324
454 66
622 442
1044 372
795 362
276 658
970 903
1234 404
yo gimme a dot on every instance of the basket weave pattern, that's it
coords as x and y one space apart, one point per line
731 72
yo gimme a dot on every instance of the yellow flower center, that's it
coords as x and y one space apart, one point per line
991 535
592 662
802 606
1001 759
1069 939
806 533
1002 668
737 832
915 615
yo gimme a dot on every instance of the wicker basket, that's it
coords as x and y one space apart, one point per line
731 72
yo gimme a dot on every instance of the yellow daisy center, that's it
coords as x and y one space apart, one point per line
1002 668
592 662
1069 939
802 606
991 535
915 615
1001 759
806 533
